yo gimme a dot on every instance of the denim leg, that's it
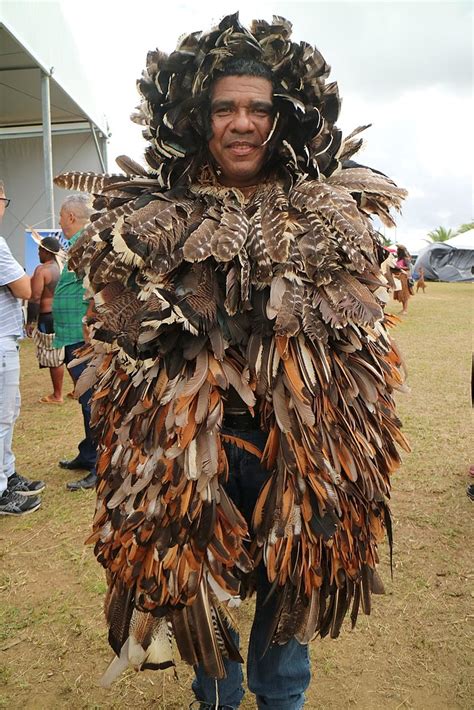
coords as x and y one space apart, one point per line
9 406
87 447
279 678
228 691
243 486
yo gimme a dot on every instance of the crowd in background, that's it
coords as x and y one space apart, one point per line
56 310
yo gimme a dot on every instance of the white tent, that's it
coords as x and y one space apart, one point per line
462 241
49 121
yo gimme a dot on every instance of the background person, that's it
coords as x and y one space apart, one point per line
18 495
40 325
402 277
69 309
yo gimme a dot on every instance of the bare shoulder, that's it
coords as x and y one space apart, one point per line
52 271
39 271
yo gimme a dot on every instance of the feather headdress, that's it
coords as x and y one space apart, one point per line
175 91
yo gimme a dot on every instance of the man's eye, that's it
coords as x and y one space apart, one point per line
222 112
261 112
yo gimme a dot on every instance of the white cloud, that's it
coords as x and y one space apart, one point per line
404 66
415 193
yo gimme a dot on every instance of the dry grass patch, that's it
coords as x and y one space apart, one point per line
414 651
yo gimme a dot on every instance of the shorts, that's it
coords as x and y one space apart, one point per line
43 337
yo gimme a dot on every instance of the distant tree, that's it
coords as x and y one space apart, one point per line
440 234
465 227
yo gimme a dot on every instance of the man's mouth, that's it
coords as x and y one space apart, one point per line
240 148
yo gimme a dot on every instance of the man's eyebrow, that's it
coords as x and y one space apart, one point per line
228 103
261 104
222 103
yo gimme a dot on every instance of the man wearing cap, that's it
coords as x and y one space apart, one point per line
18 495
69 309
43 285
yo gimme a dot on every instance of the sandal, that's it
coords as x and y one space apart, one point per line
49 399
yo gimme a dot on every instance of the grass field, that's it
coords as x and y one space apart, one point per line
414 651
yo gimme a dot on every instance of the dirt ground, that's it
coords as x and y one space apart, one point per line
414 651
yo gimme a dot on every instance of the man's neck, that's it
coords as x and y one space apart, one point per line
77 228
248 190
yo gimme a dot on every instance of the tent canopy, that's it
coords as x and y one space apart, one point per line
443 262
462 241
49 119
34 38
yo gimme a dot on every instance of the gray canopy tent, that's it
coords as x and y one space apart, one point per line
452 260
49 122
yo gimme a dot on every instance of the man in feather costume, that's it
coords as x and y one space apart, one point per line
244 376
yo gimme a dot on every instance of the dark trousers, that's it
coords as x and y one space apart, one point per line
279 677
87 447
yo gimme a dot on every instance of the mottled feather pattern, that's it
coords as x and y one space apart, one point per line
275 228
201 295
197 246
231 235
86 182
261 262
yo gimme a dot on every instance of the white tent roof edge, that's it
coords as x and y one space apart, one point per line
18 36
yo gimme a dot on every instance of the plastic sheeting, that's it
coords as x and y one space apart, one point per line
443 262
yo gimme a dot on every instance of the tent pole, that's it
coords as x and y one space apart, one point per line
103 150
97 147
47 148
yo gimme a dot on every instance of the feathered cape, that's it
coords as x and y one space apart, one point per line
280 297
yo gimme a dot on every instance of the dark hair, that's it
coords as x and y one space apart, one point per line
402 252
51 244
243 66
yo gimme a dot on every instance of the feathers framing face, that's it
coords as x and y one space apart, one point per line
175 93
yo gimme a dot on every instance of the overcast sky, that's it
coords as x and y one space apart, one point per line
405 67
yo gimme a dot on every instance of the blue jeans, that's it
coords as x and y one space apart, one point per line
9 405
280 677
87 447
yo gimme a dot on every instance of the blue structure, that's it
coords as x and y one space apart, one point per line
31 247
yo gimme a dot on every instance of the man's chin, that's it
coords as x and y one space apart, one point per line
243 177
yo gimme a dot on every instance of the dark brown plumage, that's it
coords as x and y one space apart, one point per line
202 293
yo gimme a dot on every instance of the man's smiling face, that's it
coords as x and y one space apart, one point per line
241 119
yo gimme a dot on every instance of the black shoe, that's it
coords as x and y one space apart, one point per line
12 503
76 464
23 486
87 482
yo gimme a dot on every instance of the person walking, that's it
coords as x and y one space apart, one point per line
403 279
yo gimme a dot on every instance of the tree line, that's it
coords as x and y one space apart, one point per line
441 234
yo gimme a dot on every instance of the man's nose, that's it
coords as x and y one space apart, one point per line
242 122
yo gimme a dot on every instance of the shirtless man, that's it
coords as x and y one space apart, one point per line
40 317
